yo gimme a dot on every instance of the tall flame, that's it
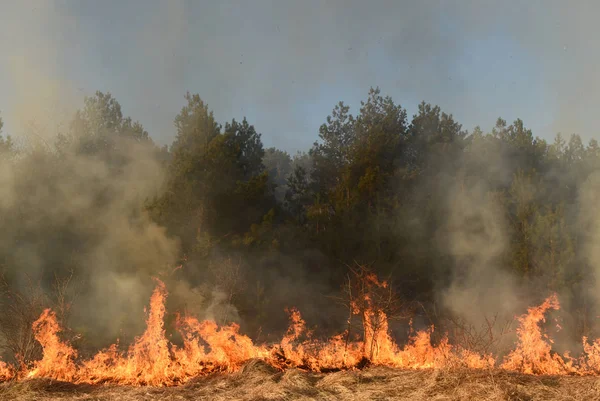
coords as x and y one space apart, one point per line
153 360
533 354
148 361
58 358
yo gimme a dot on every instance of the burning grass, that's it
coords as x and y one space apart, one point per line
257 380
213 362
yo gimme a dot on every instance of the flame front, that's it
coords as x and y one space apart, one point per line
6 372
153 360
533 354
58 359
148 361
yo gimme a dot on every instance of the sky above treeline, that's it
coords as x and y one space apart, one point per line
285 64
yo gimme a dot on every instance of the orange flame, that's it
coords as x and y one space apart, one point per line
591 360
533 354
58 358
6 372
148 361
153 360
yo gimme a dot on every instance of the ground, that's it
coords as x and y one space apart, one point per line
258 381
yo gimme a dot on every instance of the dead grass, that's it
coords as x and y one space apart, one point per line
258 381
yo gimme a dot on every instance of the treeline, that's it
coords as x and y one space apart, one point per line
418 198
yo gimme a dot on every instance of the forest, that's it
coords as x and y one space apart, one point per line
465 226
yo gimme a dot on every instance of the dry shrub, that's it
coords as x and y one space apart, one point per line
227 273
20 308
374 301
491 336
484 339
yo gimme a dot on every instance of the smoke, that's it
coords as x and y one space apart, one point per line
38 99
476 236
70 211
589 231
560 254
255 289
474 241
63 210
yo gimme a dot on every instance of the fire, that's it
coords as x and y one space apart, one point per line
591 360
533 354
207 347
148 361
6 372
228 349
58 359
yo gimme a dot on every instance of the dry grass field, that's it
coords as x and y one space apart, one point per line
258 381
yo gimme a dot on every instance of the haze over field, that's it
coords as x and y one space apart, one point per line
318 185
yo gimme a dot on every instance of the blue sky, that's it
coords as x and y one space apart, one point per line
285 64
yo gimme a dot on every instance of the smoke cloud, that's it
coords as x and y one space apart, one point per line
71 211
476 236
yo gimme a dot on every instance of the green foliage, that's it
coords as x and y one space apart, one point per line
523 209
218 188
553 248
97 127
374 188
